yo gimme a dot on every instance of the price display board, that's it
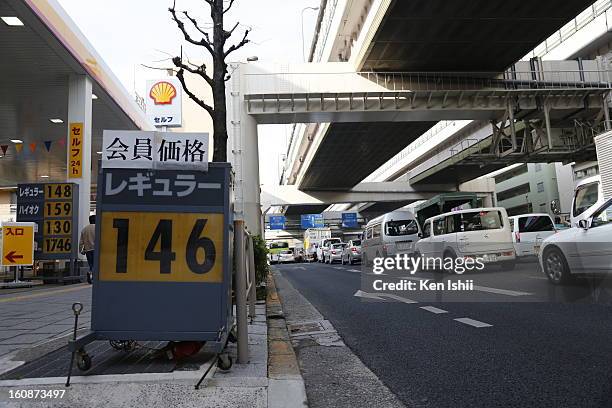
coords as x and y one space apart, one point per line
163 268
53 207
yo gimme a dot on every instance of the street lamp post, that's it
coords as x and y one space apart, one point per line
303 10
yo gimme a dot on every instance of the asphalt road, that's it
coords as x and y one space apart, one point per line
517 344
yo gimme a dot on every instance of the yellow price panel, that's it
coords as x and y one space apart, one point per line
57 227
60 245
58 191
58 209
161 247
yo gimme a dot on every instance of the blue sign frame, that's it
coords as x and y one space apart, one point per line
312 221
277 222
349 220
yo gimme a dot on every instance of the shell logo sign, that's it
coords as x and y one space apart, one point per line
164 102
163 93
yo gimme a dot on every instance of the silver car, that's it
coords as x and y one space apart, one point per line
335 253
352 252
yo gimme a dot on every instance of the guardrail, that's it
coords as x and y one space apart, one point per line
567 31
245 290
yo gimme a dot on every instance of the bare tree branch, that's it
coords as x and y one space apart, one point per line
242 43
181 77
228 7
195 24
198 70
228 34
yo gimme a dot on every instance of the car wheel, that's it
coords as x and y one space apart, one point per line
555 267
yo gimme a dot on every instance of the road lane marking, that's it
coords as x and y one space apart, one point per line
501 291
367 295
472 322
45 293
354 270
338 267
433 309
398 298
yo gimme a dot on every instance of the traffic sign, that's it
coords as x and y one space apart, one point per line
312 221
349 220
277 222
18 243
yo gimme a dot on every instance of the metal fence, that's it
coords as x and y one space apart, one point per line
245 290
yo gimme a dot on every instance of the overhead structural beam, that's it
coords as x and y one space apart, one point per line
361 193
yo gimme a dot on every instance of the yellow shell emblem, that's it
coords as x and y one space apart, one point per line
163 93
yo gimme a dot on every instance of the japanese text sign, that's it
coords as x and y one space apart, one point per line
277 222
17 243
155 150
75 150
164 102
349 220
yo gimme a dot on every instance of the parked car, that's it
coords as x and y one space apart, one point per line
352 252
586 249
392 233
335 253
482 233
588 197
528 232
323 250
286 256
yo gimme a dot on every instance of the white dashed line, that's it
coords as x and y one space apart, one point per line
501 291
354 270
367 295
398 298
472 322
338 267
433 309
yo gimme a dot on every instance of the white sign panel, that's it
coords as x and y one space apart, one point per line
164 102
154 150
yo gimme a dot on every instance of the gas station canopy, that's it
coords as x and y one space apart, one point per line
41 50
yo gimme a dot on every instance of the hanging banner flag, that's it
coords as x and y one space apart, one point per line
75 151
4 149
32 147
18 147
48 144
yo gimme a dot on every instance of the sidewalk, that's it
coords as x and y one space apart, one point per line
245 385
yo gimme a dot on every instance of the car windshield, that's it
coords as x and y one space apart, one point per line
586 196
402 227
535 223
287 252
481 220
357 242
337 246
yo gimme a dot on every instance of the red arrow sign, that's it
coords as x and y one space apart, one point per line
11 257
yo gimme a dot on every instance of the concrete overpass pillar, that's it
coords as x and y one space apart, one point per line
79 112
243 142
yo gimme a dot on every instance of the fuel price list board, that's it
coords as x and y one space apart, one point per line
54 209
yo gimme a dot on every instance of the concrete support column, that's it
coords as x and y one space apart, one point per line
251 190
243 141
79 111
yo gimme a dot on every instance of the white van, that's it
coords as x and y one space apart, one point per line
528 232
588 197
392 233
323 250
476 233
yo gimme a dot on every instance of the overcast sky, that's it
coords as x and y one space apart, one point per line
129 33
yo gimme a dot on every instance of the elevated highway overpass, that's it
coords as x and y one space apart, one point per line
420 35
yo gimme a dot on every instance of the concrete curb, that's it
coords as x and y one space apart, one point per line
286 388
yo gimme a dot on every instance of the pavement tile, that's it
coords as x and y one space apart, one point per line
24 339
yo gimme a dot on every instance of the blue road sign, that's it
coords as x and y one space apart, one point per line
312 221
277 222
349 220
